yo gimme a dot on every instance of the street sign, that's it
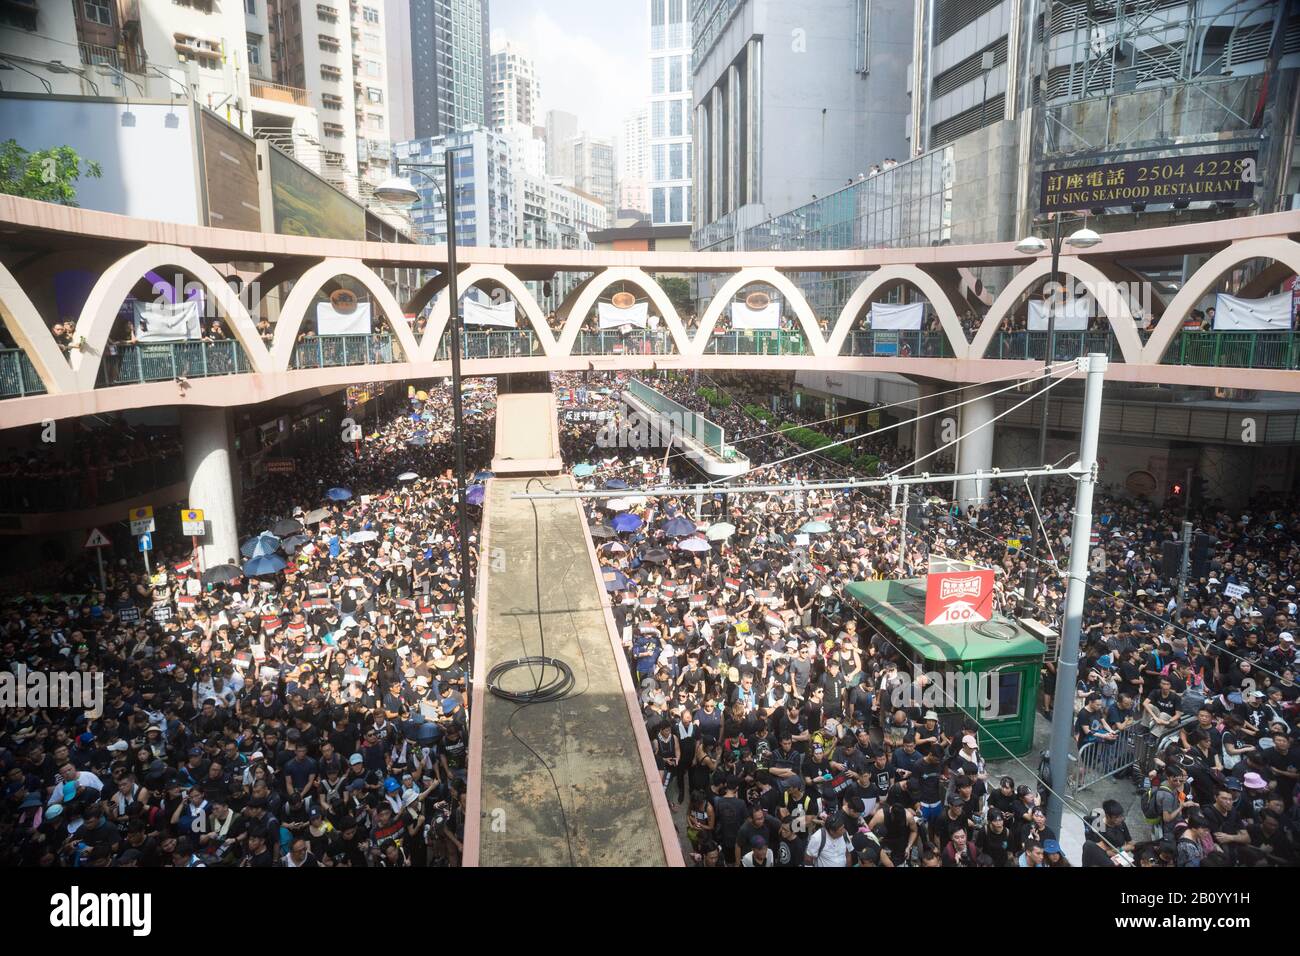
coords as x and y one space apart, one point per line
146 542
959 597
192 523
97 539
141 519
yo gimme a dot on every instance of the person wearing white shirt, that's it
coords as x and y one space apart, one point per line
759 855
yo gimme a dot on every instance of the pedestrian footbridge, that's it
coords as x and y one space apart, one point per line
655 420
63 265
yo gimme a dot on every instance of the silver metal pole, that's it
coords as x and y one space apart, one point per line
1182 573
902 533
103 582
1067 668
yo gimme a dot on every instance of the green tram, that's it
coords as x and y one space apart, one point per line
996 666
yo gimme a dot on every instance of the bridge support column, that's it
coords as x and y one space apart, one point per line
975 451
923 440
208 459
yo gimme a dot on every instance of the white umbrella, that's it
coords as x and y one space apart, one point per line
636 501
361 537
720 531
615 504
407 476
615 547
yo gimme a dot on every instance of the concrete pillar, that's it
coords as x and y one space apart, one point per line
924 442
717 155
975 451
208 452
752 191
734 148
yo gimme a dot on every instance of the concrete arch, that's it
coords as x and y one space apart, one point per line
1108 297
33 336
471 277
789 291
276 276
1203 280
425 294
586 300
938 297
294 309
101 307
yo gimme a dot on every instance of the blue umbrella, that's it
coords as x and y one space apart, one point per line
584 470
264 544
484 475
616 484
678 527
626 521
338 494
615 580
265 564
419 441
474 496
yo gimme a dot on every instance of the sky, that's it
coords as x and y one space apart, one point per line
591 55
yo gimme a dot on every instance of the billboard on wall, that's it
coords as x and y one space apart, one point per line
1194 178
230 174
303 204
146 151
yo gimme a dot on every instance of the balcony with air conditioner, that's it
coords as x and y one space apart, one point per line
332 129
331 72
327 12
328 43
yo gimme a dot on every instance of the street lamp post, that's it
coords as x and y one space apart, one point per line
401 192
1084 238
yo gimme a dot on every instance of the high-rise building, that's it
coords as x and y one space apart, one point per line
485 205
441 67
633 145
793 99
593 169
515 88
669 174
561 130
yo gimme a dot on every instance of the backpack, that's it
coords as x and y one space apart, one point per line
1150 808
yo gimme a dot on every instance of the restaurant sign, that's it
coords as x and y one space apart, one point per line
1201 177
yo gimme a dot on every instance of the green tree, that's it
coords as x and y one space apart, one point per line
49 175
678 291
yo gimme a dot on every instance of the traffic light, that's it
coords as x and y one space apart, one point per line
1171 558
1176 490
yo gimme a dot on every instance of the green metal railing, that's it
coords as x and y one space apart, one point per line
757 343
1068 345
333 351
18 376
1280 350
161 361
900 344
659 342
496 343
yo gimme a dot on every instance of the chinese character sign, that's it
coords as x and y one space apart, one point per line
959 597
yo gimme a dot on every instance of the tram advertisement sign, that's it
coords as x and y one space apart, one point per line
1195 178
959 597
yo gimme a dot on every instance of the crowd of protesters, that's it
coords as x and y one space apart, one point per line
307 708
769 701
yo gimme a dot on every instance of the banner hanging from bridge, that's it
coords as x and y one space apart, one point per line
1071 316
1269 314
330 321
892 316
162 322
500 314
767 318
612 317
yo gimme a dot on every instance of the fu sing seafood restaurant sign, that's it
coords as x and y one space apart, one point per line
1205 176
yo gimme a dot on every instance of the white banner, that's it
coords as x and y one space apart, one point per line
482 313
743 317
330 321
612 317
161 322
886 315
1270 314
1070 317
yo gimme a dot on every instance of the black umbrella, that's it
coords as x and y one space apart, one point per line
222 574
656 556
285 527
603 532
759 567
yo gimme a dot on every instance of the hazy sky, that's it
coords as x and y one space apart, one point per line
591 55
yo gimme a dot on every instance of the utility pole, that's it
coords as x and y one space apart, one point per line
1067 668
902 533
1054 285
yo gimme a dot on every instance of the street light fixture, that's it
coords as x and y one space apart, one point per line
1032 245
400 191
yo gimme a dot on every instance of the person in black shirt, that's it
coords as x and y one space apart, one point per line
995 840
729 811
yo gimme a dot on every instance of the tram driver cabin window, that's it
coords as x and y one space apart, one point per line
1008 696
